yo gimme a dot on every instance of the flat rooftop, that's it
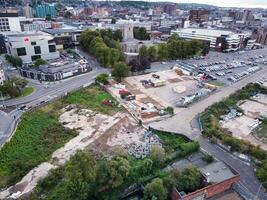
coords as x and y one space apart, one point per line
217 172
207 32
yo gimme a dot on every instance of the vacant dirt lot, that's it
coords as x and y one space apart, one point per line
254 109
165 95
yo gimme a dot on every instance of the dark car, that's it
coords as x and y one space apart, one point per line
155 76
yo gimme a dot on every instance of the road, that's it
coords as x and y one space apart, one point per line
183 120
180 122
46 92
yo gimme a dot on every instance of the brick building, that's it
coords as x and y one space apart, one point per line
199 15
219 177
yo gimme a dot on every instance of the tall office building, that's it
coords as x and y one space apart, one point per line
45 10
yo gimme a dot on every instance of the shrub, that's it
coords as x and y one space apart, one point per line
102 78
208 158
39 62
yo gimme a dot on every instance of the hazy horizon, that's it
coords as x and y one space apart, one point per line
226 3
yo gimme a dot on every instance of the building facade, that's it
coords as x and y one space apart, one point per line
65 38
30 46
219 40
45 10
199 15
9 22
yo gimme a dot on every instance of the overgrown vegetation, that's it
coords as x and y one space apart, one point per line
211 128
106 177
39 133
37 136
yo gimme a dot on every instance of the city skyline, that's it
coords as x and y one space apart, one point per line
229 3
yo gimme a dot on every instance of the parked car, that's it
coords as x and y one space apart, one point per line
155 76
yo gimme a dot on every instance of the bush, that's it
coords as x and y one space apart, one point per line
39 62
208 158
102 78
155 190
169 110
158 156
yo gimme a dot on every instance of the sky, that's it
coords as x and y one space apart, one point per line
229 3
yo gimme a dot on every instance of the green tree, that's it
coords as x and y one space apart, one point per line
189 180
143 52
158 156
15 61
155 190
120 71
80 174
140 33
111 173
163 51
152 53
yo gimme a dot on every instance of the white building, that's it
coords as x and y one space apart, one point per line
30 46
219 40
2 76
9 22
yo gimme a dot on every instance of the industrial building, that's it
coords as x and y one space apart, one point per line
219 40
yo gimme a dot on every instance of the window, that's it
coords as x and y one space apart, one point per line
35 57
52 48
33 43
37 50
21 51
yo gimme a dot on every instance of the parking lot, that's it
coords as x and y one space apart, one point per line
225 68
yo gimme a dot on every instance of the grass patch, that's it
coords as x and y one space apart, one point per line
38 135
91 98
26 92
